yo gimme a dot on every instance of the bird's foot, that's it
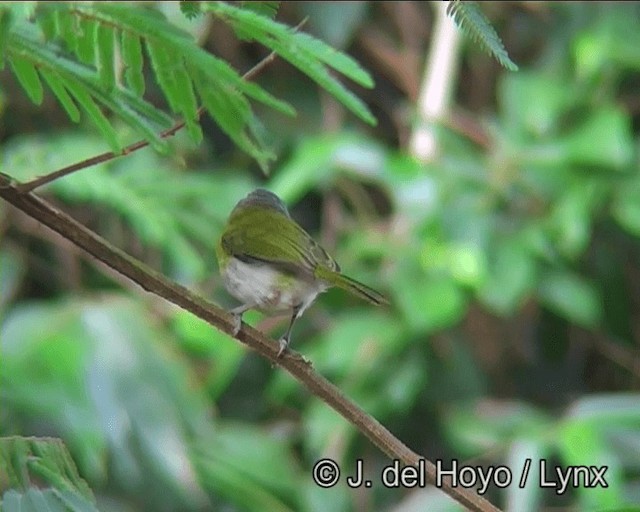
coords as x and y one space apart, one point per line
284 343
237 323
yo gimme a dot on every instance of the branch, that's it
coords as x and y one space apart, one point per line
154 282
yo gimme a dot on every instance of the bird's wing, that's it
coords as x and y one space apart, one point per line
289 249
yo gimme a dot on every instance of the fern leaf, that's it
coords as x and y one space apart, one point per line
303 51
106 42
88 41
132 57
57 87
84 85
232 112
187 102
176 85
471 20
85 100
48 26
266 9
67 28
28 77
339 61
191 10
78 63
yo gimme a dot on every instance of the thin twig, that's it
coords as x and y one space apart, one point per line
98 159
154 282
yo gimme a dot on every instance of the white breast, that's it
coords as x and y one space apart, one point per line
265 288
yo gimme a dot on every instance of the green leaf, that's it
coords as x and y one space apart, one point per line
439 304
489 424
267 9
106 42
27 75
67 27
57 86
83 83
79 361
232 111
605 410
177 86
173 215
569 223
339 61
249 468
85 100
88 41
323 426
227 80
609 44
38 471
605 139
339 349
512 276
47 23
583 444
303 51
132 57
200 339
221 89
6 20
188 104
317 160
22 11
469 17
571 296
626 207
191 10
165 65
538 118
146 23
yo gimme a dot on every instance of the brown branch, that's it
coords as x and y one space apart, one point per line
98 159
154 282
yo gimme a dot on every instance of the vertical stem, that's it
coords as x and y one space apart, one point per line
437 84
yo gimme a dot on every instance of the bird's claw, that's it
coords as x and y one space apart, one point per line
237 323
284 343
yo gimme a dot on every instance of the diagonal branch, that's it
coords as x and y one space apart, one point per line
154 282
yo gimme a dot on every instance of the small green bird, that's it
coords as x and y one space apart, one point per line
269 263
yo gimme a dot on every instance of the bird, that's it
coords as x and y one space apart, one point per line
270 263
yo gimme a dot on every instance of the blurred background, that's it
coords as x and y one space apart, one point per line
510 252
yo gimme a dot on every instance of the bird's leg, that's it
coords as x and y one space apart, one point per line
237 316
284 341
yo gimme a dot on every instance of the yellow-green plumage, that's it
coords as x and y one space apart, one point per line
270 263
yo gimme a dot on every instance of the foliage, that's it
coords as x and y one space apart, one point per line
470 19
75 48
511 261
39 474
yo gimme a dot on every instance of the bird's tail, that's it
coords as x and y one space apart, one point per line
352 286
